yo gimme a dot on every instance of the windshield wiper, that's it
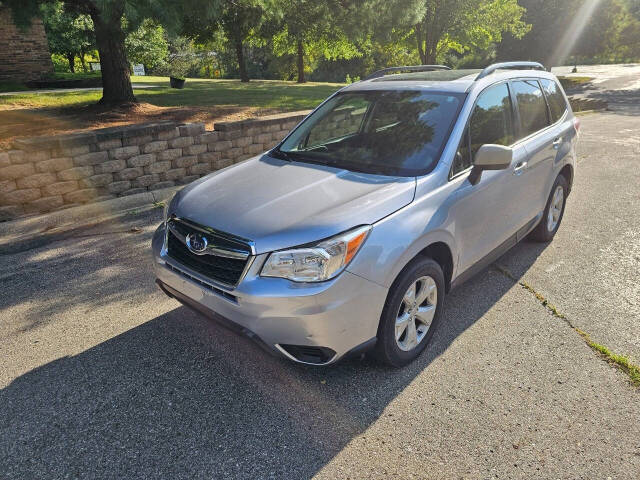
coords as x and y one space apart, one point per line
279 154
315 148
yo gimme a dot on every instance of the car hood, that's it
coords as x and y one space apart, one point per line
279 204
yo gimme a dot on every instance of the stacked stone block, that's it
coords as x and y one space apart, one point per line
43 174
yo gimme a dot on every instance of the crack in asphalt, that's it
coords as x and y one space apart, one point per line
620 362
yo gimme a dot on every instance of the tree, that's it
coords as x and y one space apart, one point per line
583 28
598 35
68 34
239 19
111 31
330 29
463 24
147 45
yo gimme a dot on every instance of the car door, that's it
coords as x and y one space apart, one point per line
563 128
540 142
485 214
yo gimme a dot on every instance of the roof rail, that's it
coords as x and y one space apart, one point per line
413 68
510 66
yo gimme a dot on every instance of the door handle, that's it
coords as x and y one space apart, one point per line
557 142
520 167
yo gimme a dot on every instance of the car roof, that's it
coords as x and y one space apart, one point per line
454 81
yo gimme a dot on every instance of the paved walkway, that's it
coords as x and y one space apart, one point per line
62 90
618 85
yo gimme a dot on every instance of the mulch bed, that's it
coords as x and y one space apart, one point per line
25 122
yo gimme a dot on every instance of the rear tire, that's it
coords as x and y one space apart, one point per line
553 212
411 313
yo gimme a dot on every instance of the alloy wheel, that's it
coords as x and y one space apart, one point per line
555 209
416 313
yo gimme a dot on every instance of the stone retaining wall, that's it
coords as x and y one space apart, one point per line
49 173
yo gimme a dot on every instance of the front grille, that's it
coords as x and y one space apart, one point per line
218 268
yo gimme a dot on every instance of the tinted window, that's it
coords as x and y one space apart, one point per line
491 122
340 122
557 103
388 132
531 105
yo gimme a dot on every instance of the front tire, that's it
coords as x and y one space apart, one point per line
553 212
411 313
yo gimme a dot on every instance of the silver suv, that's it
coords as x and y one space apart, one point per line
347 236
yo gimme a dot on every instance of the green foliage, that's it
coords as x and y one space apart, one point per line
612 32
147 45
328 40
464 25
60 63
376 54
69 33
240 20
12 87
313 31
331 46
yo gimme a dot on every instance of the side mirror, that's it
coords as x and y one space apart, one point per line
490 157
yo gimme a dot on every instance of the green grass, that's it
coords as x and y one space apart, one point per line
572 82
12 87
280 95
75 76
619 361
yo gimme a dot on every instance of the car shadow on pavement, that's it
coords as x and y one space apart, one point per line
182 397
86 268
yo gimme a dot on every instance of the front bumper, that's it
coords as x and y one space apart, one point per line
338 316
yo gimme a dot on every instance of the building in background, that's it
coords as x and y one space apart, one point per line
24 54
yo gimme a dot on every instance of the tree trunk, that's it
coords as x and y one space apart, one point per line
431 57
116 81
423 57
71 58
431 46
301 78
242 65
82 61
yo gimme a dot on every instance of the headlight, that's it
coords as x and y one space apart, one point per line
319 262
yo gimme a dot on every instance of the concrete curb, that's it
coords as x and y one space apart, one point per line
77 216
588 112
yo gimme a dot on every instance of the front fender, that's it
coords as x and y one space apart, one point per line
399 238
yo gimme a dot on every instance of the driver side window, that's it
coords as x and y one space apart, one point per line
491 122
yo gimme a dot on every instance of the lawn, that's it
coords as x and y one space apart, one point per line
574 82
12 87
28 114
271 94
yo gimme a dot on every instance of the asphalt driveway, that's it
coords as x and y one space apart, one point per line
102 376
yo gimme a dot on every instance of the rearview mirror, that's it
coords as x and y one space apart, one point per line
490 157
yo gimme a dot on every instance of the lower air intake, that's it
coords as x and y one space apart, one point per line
303 353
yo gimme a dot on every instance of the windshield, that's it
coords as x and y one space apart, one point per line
388 132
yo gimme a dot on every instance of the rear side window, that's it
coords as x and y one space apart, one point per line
531 105
491 122
557 103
